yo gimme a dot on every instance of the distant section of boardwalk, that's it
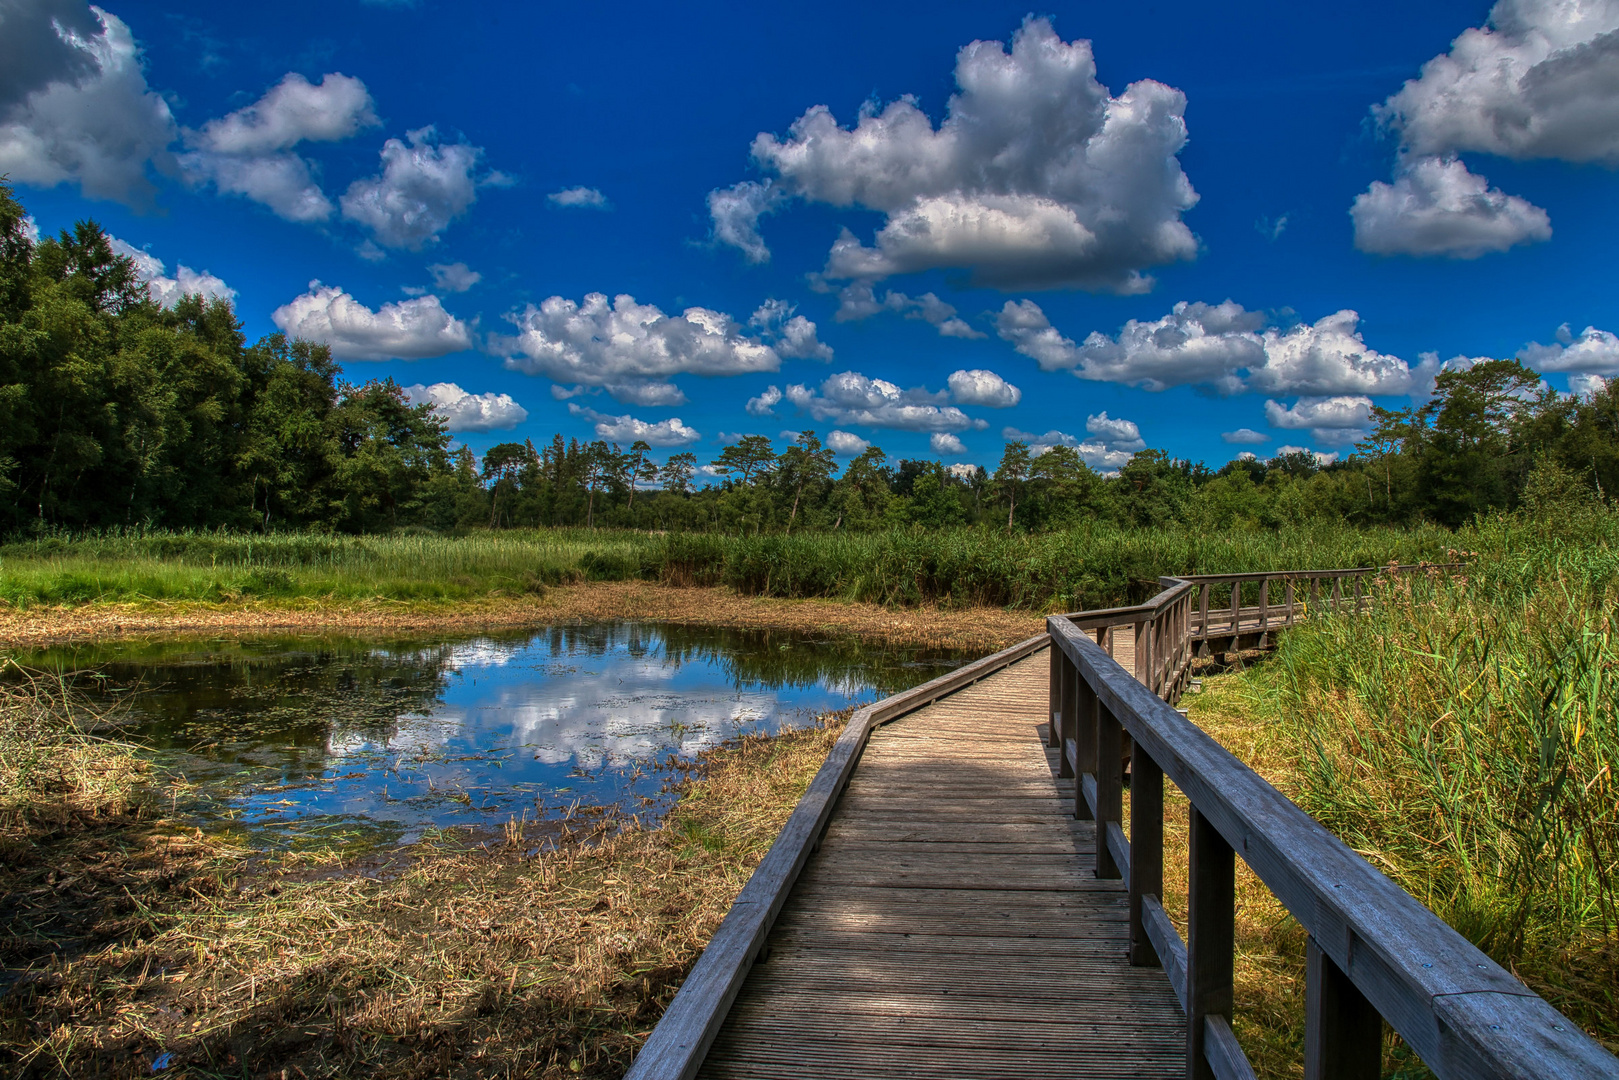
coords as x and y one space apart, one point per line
951 923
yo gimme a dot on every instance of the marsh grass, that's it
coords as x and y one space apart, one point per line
1462 735
548 951
1093 566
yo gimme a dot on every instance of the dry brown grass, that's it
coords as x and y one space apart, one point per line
984 629
466 960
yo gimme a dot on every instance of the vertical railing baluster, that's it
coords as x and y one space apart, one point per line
1084 743
1343 1034
1054 713
1210 936
1264 608
1068 716
1146 848
1109 786
1203 608
1337 593
1236 610
1315 593
1288 597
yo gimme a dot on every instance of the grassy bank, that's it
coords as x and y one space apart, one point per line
1463 735
1078 568
132 944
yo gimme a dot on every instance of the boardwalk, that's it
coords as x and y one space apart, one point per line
951 922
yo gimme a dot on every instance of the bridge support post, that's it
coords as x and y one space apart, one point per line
1086 706
1146 848
1067 712
1109 787
1210 937
1054 712
1343 1034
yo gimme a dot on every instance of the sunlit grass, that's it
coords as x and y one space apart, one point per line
1085 567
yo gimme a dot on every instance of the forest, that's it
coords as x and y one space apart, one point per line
117 413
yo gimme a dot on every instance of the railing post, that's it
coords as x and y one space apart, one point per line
1315 593
1210 936
1264 607
1084 742
1067 715
1109 786
1203 609
1054 694
1236 610
1146 848
1288 593
1337 593
1144 652
1343 1034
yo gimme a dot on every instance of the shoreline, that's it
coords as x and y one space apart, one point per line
962 628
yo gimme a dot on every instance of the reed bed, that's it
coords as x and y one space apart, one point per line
1463 735
1091 566
549 951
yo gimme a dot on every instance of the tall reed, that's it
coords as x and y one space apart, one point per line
1463 734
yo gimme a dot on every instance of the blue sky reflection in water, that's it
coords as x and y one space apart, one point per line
302 741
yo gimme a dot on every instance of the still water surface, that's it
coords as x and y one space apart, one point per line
293 742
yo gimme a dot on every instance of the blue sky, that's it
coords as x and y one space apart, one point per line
1235 232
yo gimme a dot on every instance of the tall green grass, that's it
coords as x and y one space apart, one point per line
1464 735
1084 567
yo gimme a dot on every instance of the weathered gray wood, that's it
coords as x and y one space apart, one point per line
1167 943
1343 1035
675 1049
1225 1058
1417 972
1109 788
1210 937
1146 849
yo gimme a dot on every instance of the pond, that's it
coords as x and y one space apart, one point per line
298 742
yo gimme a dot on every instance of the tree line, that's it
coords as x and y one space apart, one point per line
117 412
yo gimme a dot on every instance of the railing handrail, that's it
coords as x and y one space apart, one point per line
1465 1015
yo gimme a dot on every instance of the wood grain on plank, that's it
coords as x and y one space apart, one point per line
952 922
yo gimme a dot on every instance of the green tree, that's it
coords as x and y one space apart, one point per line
1011 475
805 463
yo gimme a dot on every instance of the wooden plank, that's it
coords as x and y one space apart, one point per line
1225 1057
967 932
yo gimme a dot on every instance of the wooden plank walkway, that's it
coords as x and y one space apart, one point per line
951 922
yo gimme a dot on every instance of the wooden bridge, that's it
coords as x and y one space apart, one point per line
956 893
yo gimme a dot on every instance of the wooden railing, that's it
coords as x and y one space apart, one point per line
1374 952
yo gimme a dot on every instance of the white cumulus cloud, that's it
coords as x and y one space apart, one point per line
1593 352
165 290
1116 432
1436 207
587 198
944 443
453 277
1538 80
851 398
74 104
409 330
1038 176
857 300
980 387
846 443
1221 346
424 185
765 404
1245 437
468 412
1586 385
1334 420
794 336
629 348
626 429
249 152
